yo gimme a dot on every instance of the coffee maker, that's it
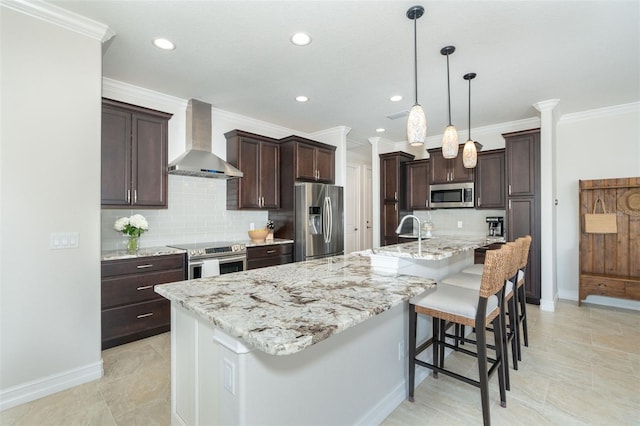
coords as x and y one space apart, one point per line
496 226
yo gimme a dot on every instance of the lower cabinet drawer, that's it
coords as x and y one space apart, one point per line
131 322
128 289
269 261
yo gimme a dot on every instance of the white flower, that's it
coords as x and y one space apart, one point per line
133 226
139 221
121 224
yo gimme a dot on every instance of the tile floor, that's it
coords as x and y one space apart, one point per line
582 367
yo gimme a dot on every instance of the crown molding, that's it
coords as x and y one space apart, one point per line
61 17
119 89
253 122
546 105
633 107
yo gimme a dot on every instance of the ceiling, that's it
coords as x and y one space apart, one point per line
237 56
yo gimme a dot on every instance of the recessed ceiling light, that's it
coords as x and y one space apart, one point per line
164 44
395 98
380 130
300 39
302 98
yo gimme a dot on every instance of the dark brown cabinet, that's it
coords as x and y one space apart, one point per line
311 161
131 309
445 170
269 255
522 156
133 156
490 184
418 184
392 194
258 157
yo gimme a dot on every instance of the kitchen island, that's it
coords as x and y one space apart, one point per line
439 255
316 342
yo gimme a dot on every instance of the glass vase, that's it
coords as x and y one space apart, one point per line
132 244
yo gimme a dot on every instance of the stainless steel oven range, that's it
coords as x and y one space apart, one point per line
211 259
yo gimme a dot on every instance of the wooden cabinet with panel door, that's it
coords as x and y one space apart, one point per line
418 184
269 255
445 170
522 155
392 194
131 310
490 187
133 156
311 161
258 157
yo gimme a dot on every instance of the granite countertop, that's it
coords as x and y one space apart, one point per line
142 252
284 309
275 241
435 248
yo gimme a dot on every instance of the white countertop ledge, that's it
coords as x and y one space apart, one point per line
284 309
435 248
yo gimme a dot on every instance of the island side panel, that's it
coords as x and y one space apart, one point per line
354 377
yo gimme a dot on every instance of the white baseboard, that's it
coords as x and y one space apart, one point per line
42 387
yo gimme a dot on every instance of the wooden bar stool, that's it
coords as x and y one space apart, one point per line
473 281
473 307
521 292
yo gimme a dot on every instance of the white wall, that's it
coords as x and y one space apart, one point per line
597 144
50 182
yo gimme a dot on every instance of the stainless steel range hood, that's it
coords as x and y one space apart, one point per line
198 160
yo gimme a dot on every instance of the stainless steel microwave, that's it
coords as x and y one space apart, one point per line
451 195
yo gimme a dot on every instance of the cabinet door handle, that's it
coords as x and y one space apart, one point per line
144 315
148 265
128 195
135 196
270 251
144 287
395 195
426 203
509 189
479 204
509 204
395 206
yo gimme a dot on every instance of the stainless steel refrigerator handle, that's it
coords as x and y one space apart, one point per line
330 220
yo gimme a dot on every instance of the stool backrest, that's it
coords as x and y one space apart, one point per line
513 262
524 253
494 271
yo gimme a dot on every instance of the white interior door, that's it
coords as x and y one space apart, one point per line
352 209
366 208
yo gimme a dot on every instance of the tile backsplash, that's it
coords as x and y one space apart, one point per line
445 221
197 213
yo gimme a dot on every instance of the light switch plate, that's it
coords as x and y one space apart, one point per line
63 240
229 376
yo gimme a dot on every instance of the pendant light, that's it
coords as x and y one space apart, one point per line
450 136
417 122
469 153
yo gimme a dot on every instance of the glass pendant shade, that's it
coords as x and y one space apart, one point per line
416 126
450 142
469 155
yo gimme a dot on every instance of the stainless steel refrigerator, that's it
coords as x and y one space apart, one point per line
319 221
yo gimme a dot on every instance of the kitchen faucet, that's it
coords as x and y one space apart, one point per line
419 231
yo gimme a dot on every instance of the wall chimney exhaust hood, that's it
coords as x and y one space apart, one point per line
198 160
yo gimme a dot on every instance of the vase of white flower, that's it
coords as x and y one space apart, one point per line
133 227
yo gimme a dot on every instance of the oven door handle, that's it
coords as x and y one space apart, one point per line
230 259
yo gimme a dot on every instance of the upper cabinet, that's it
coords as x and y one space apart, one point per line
490 185
418 184
258 157
134 156
393 203
522 156
311 161
445 170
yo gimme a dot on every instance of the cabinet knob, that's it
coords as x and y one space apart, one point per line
355 229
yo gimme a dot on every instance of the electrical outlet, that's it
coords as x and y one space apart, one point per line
229 376
459 224
400 350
